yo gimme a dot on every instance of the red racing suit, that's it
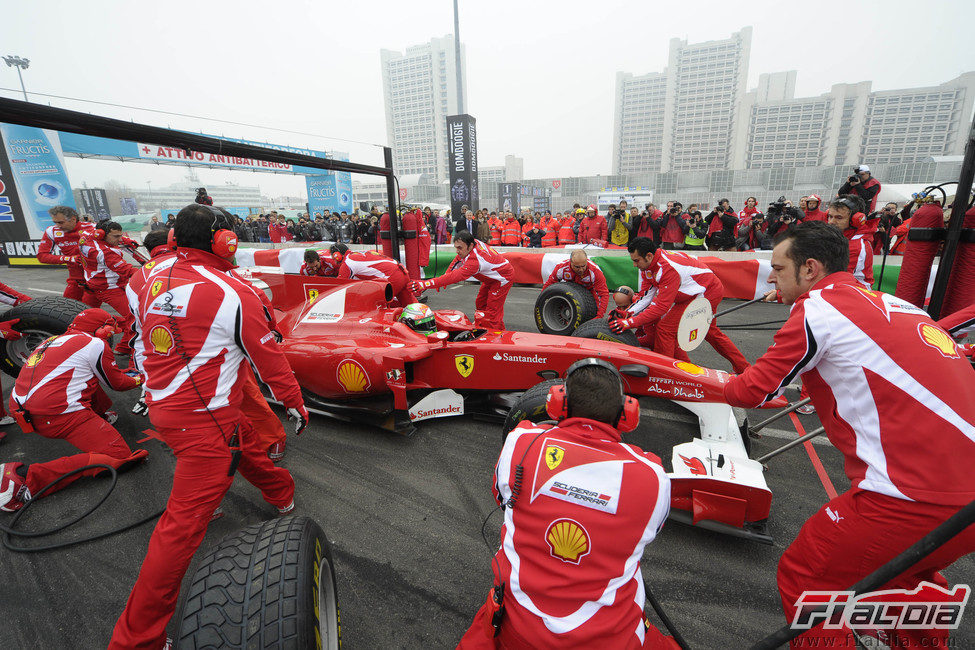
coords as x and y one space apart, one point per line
679 278
194 330
106 274
66 245
593 280
370 265
10 296
327 269
861 252
61 387
881 373
493 271
573 537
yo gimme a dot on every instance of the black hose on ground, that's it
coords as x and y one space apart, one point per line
11 531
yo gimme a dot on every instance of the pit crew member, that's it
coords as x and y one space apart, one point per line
319 263
580 506
883 376
12 297
847 214
371 265
678 278
477 260
579 269
106 273
63 236
59 394
196 328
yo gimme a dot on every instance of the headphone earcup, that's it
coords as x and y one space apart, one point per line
856 221
630 417
171 238
224 243
99 234
555 404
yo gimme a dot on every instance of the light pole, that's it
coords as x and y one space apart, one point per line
460 81
21 64
149 197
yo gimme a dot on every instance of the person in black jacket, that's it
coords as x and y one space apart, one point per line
862 184
241 230
534 236
722 239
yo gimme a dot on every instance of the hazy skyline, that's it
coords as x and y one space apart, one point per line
541 75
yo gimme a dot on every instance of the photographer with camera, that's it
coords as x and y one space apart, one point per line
751 234
862 184
721 222
620 225
671 225
889 220
202 197
695 231
781 216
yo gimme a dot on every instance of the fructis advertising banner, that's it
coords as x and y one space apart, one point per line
37 165
462 163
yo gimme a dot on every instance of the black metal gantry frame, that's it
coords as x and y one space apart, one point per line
61 119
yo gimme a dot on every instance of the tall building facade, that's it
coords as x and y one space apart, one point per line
420 91
685 117
697 116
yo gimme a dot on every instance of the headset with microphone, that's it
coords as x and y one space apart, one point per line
223 241
857 218
557 402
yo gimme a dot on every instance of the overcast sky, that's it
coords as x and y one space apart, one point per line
541 74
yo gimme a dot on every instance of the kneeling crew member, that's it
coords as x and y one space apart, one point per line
580 506
319 263
896 398
579 269
197 325
679 278
59 394
370 265
477 260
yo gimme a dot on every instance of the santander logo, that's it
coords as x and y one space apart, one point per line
517 358
435 412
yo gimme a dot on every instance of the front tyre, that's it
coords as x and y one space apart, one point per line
40 319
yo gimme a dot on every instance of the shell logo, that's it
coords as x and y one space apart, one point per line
161 339
567 540
938 339
689 368
352 376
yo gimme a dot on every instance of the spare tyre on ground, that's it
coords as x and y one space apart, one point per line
562 307
597 328
40 318
530 406
270 585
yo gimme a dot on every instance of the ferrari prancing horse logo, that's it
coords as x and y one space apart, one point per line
553 456
312 294
464 364
156 288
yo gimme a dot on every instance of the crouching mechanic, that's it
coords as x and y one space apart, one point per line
12 297
581 270
370 265
59 394
106 273
568 570
319 263
477 260
678 278
896 399
197 325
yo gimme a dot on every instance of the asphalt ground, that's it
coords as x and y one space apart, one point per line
404 516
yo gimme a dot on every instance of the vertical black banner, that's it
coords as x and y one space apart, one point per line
87 202
509 197
462 162
100 199
13 230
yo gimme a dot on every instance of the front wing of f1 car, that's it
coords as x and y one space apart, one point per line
354 361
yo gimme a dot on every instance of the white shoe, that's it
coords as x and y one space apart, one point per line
5 420
288 508
110 416
806 409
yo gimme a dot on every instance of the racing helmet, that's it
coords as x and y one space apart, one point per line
419 318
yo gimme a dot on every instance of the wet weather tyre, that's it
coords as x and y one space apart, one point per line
597 328
270 585
530 406
40 318
563 307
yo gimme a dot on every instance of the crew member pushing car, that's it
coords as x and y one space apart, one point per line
371 265
59 394
581 270
197 324
579 507
319 263
106 273
63 236
895 397
678 278
477 260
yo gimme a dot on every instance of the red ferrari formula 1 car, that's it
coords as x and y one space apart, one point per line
355 361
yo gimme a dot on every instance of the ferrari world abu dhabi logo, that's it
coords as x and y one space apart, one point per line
464 364
927 607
